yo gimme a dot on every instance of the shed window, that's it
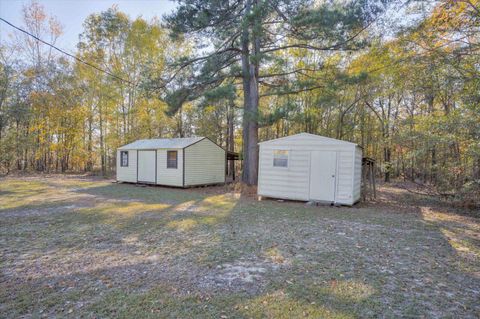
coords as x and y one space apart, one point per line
280 158
172 157
124 158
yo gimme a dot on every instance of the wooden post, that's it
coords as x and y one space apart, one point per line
372 174
364 183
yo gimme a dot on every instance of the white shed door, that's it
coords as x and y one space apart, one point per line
146 166
323 166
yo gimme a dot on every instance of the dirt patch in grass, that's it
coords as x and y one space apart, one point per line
82 247
243 275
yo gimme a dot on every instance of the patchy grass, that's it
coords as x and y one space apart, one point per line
78 247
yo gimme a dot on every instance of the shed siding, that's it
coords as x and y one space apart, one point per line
357 177
204 163
306 139
310 145
127 174
344 177
169 176
292 182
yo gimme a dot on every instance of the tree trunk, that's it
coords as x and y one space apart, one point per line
433 167
89 166
433 152
102 145
386 157
180 132
231 137
250 100
476 168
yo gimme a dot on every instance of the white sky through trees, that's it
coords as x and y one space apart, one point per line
72 13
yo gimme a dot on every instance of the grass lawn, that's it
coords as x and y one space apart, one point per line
79 247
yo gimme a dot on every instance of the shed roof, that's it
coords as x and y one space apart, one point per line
156 143
308 136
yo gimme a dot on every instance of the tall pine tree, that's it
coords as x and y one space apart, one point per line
241 37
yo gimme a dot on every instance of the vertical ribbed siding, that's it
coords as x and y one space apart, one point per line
344 192
169 176
127 174
204 163
357 177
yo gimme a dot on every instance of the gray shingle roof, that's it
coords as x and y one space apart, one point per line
161 143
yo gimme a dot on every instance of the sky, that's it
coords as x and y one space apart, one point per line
72 14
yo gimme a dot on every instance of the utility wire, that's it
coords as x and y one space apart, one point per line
66 53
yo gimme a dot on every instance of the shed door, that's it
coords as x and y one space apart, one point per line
323 167
146 166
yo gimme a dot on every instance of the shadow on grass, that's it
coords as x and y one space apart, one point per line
127 235
142 192
148 252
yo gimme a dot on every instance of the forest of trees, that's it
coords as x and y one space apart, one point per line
408 94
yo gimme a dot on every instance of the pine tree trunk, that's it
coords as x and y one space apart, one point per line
231 137
250 112
180 132
252 148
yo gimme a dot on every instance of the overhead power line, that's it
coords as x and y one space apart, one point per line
66 53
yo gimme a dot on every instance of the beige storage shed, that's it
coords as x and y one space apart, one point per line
310 167
180 162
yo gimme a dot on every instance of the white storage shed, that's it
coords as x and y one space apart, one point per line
180 162
310 167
